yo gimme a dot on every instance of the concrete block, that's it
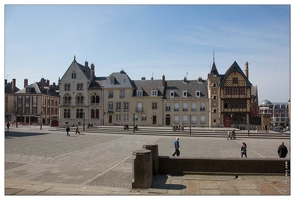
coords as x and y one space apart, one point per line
155 155
142 172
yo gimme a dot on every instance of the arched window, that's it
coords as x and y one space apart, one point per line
67 87
67 113
97 113
67 99
95 99
92 113
79 99
79 86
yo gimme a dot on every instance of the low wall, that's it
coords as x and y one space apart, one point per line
175 165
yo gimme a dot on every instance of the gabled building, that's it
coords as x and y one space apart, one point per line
10 106
37 103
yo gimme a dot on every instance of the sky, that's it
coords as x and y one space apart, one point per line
40 41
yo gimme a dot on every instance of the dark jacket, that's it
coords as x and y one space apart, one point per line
282 151
68 129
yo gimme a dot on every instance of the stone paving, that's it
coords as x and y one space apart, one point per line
48 162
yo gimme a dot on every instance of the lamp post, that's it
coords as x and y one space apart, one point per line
83 121
190 124
41 120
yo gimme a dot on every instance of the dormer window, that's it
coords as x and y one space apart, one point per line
184 94
172 94
198 94
139 93
154 93
112 80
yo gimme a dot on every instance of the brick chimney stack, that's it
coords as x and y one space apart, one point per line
163 81
25 82
5 81
247 70
13 85
92 72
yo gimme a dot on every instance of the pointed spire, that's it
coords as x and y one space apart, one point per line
213 71
74 57
213 57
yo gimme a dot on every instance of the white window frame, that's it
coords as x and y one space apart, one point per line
184 94
198 94
154 93
172 94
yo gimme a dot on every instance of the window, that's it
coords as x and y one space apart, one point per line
198 94
154 92
67 99
194 106
185 119
172 94
214 97
154 105
118 106
112 80
126 106
139 93
135 117
79 113
94 113
176 119
203 119
79 99
143 117
214 84
235 80
193 119
214 110
139 107
126 117
67 87
122 94
167 106
34 100
67 113
110 107
184 93
110 96
176 106
27 101
73 75
202 107
95 99
184 106
79 86
118 117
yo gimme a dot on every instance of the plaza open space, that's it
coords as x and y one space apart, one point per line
99 161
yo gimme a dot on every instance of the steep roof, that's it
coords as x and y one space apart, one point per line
214 71
35 88
234 68
117 80
8 89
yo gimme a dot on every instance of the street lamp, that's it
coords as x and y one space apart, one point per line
41 120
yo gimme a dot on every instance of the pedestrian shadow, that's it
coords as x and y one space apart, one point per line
162 182
11 134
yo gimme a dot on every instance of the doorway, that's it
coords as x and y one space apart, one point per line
110 119
154 119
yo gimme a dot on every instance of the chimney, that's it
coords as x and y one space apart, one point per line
143 78
54 86
48 83
163 81
13 85
25 82
42 83
185 80
92 72
200 79
5 81
247 70
86 63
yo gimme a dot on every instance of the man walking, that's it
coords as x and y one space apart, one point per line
176 145
282 150
68 130
77 129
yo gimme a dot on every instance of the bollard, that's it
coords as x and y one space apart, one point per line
155 155
142 174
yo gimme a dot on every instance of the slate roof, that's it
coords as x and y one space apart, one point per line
121 80
8 88
147 86
214 71
191 86
35 88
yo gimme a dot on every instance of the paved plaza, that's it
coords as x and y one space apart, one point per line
99 161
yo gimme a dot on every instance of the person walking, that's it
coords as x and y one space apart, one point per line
282 150
176 145
244 150
77 129
228 134
7 125
68 130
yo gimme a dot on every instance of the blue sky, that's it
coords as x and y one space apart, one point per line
150 40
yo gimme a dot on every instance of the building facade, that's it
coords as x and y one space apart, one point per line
223 100
35 103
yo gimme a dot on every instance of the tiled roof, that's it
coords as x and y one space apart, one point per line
147 86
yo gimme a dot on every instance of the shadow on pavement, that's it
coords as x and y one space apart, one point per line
160 182
11 134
